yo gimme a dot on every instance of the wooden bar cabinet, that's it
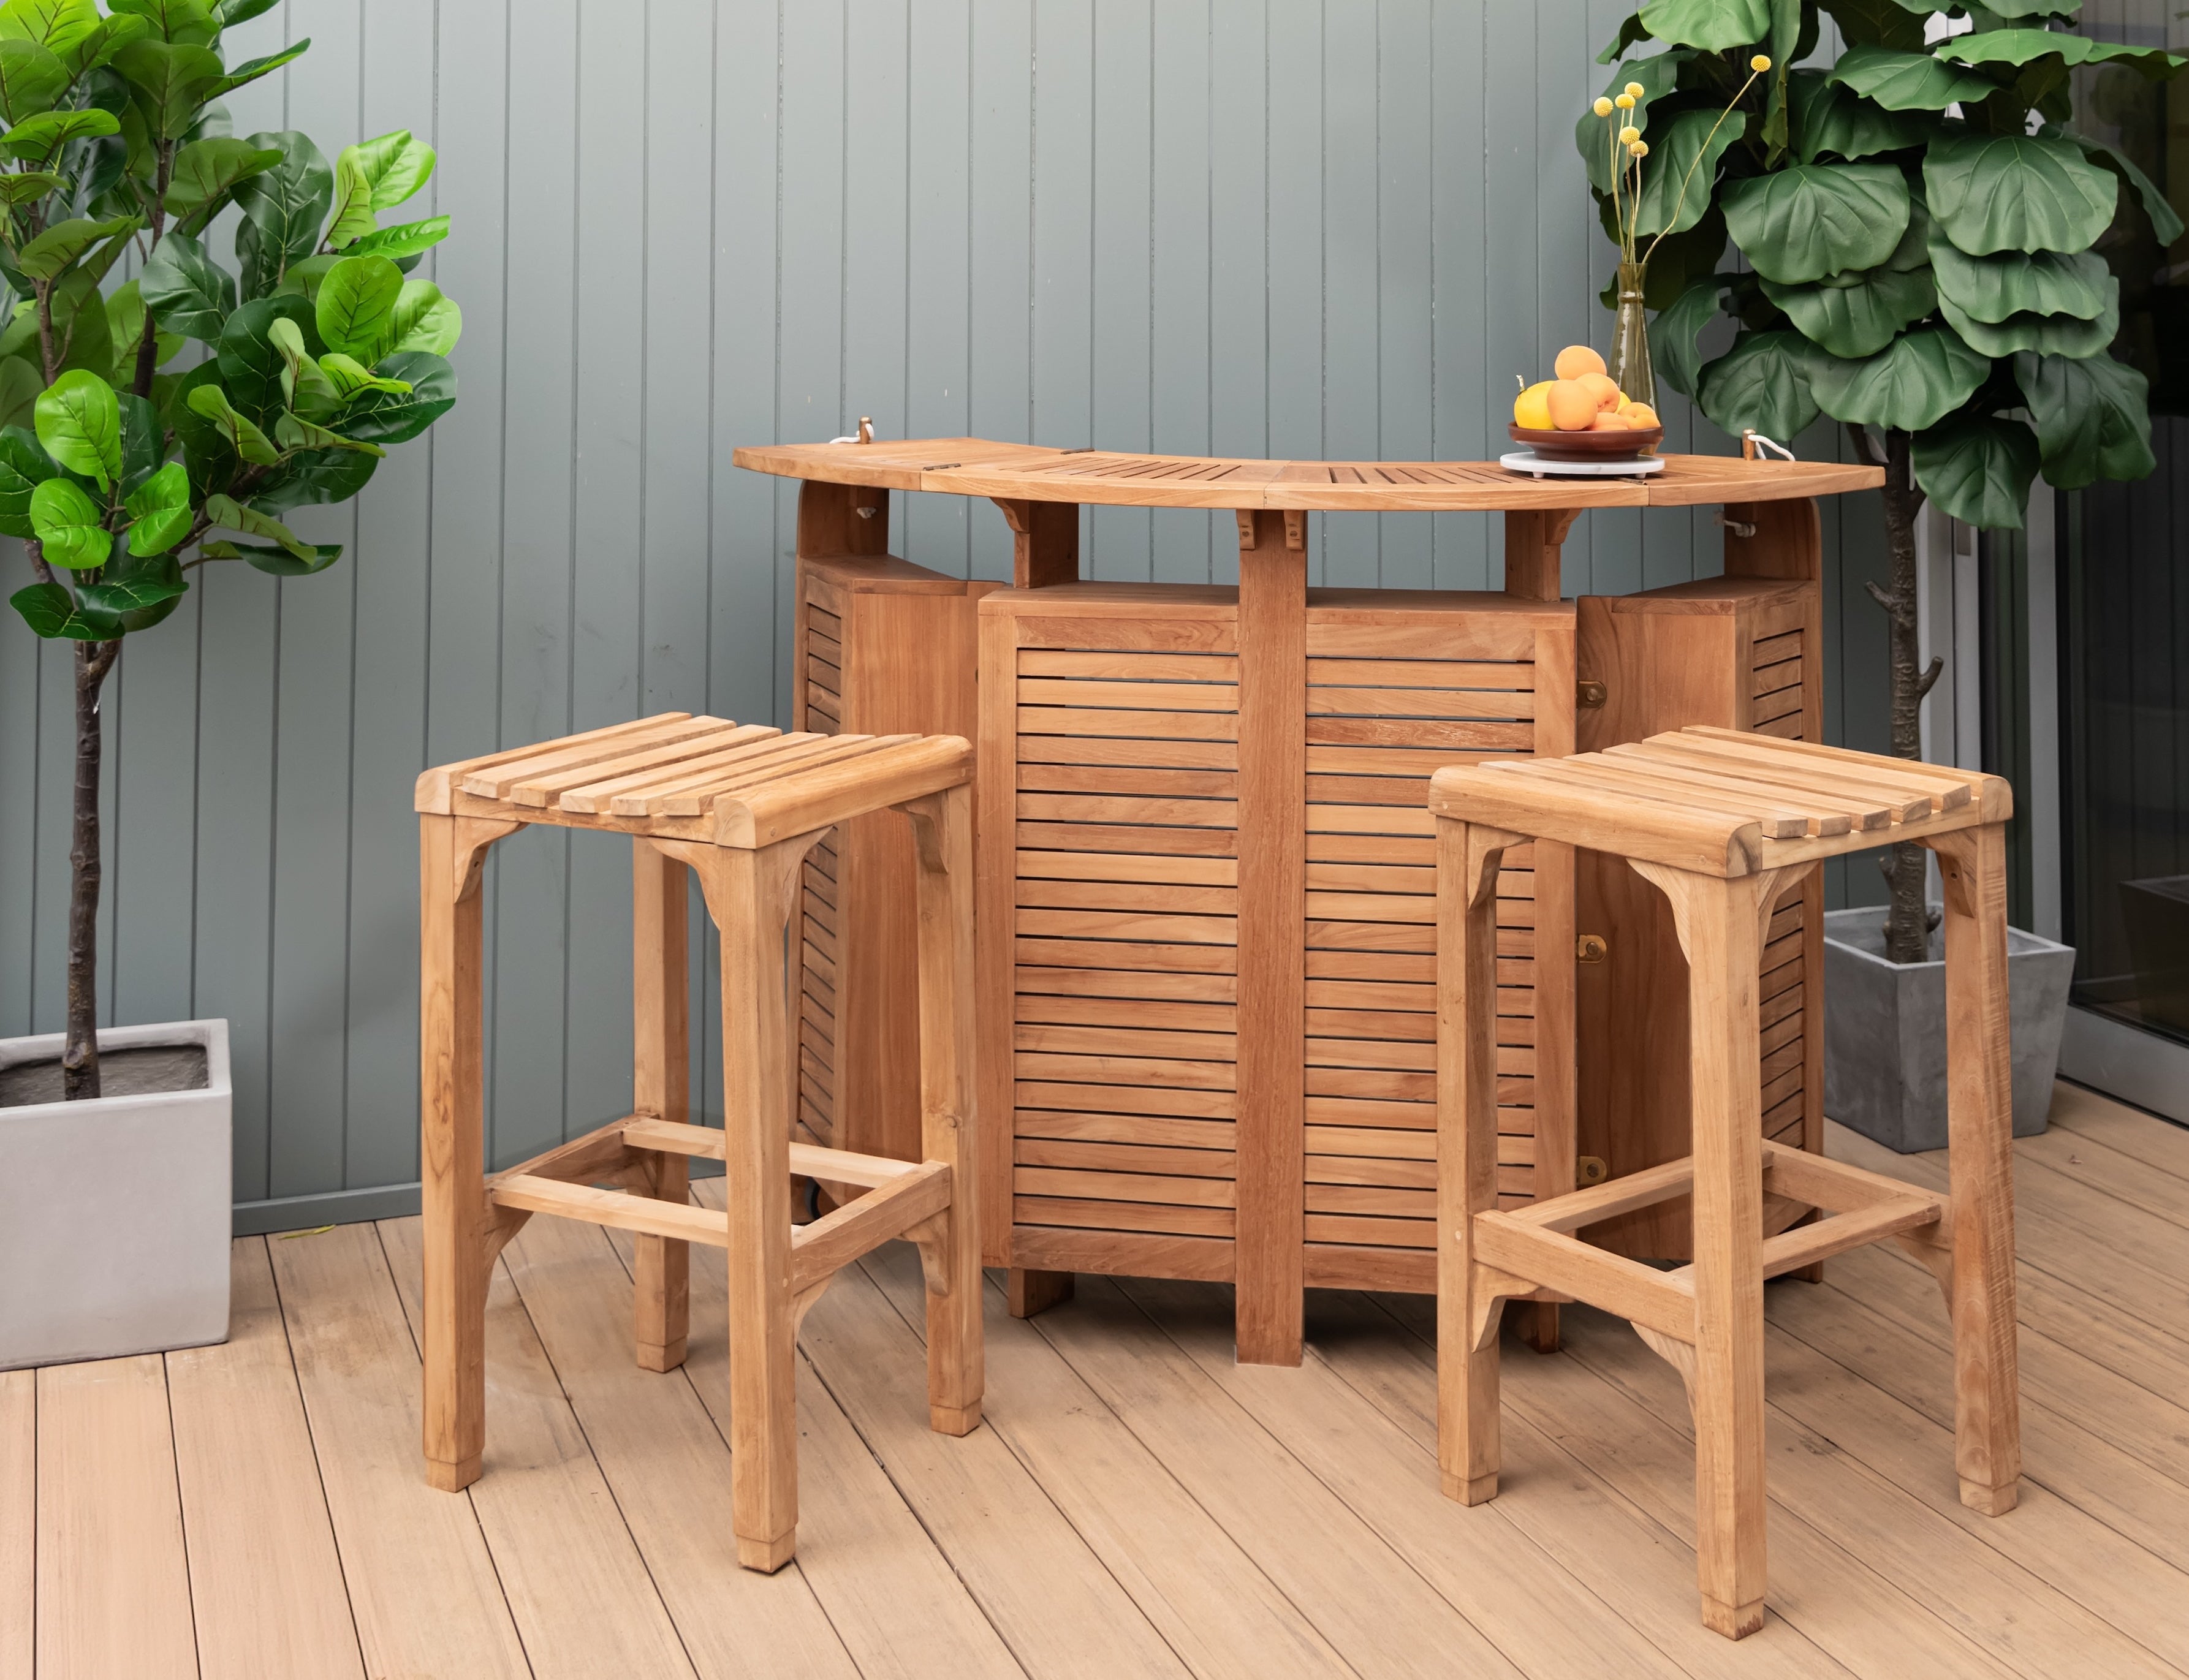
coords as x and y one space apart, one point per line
1207 899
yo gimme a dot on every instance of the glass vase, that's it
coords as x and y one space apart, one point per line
1629 367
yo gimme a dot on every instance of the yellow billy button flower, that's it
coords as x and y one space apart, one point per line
1760 63
1602 107
1629 135
1635 90
1638 148
1624 102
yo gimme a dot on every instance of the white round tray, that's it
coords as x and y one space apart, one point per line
1528 462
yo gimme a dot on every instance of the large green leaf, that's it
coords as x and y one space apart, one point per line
1673 335
189 292
48 609
283 208
2009 192
1762 384
2015 282
1908 81
24 187
255 371
278 561
189 21
1682 168
160 510
1657 76
66 522
351 377
169 80
1913 383
2165 224
387 417
1978 470
294 433
24 466
1712 25
79 322
143 441
1836 121
316 476
207 171
2019 47
1856 315
409 240
2093 418
356 306
20 386
1632 33
1876 23
424 319
231 515
251 69
45 257
2047 335
125 322
36 138
31 79
135 587
80 424
394 165
62 27
1800 224
241 434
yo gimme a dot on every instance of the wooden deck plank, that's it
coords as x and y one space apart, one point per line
584 1603
1333 1565
888 1590
266 1581
1845 1612
1213 1604
114 1590
1906 1517
421 1584
668 1465
18 1522
2087 1114
1482 1562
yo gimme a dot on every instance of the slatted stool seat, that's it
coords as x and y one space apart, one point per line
741 806
1724 822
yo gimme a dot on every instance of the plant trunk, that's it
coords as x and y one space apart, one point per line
80 1054
1907 929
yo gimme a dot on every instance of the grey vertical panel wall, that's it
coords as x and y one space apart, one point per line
1290 227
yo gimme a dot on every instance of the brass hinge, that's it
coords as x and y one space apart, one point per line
1588 694
1591 947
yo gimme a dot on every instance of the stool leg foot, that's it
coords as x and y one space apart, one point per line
1991 1502
1735 1621
1026 1292
954 1420
1476 1490
452 1478
765 1557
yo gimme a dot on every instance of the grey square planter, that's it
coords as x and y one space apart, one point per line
1884 1032
115 1213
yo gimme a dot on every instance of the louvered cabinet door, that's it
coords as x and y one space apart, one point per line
1110 832
1736 653
1399 684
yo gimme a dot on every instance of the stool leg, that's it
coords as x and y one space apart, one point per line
749 892
660 1084
942 839
1719 928
1467 1154
1980 1139
452 1190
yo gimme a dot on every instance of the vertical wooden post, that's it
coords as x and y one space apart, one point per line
1044 541
1721 930
660 1084
1467 1154
1533 539
943 837
1557 1073
1272 1121
451 1166
1979 1137
749 893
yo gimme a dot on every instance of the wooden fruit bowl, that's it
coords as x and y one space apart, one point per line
1588 445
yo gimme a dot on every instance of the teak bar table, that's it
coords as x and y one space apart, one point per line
1207 929
1718 822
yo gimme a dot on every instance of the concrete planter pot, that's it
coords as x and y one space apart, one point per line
115 1214
1884 1032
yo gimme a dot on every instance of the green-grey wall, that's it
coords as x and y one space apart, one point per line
1284 227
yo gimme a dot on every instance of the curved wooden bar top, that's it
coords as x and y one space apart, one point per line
1028 472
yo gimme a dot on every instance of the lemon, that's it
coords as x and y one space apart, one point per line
1532 407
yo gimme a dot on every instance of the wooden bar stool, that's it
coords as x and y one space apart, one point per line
742 806
1724 822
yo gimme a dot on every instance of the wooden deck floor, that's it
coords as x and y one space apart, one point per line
1138 1504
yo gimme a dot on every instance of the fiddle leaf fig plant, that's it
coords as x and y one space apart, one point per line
147 427
1919 221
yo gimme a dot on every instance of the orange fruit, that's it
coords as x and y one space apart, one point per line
1576 359
1607 395
1572 405
1641 416
1606 420
1531 408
